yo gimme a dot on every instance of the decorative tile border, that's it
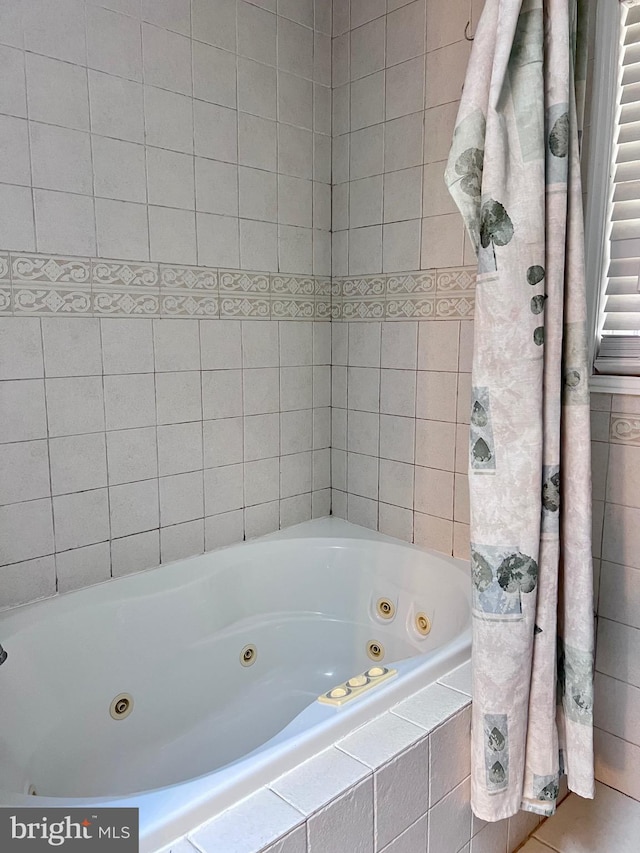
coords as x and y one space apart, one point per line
423 295
625 429
53 285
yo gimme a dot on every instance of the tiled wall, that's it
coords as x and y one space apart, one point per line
179 137
370 791
616 492
181 131
126 443
400 389
397 73
400 410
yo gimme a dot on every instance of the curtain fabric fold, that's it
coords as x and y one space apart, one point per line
514 172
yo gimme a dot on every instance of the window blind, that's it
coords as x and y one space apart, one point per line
619 349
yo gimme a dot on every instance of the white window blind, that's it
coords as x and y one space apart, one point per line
619 349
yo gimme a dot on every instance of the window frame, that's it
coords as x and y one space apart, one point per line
601 131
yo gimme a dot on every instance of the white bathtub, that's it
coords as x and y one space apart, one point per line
205 730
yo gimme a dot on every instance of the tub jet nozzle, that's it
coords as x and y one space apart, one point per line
3 656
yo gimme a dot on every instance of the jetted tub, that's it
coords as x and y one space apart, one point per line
202 729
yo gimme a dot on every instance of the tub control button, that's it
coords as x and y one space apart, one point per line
356 686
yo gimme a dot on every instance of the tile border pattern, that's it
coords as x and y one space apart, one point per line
625 429
442 294
52 285
56 286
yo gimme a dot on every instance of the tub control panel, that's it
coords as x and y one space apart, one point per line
357 685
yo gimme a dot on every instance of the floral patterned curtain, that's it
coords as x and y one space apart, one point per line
514 172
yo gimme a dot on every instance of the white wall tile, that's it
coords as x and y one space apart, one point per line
450 819
218 240
179 449
223 489
26 531
401 792
256 33
81 519
178 397
14 142
257 145
406 32
170 178
75 405
222 393
397 435
221 344
135 553
215 131
78 463
176 345
449 758
368 48
367 100
170 14
404 92
123 352
365 250
20 348
122 230
119 170
56 92
618 650
181 498
214 22
55 28
172 235
181 540
166 59
401 246
71 347
16 217
295 151
23 414
11 23
24 473
131 455
134 508
261 481
256 89
117 107
65 223
27 581
168 119
114 44
129 401
83 567
214 75
258 245
346 821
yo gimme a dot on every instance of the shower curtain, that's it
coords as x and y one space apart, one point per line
514 172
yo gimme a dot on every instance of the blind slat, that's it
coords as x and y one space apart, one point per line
626 322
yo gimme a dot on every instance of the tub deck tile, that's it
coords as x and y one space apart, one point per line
316 782
459 679
431 706
381 740
251 825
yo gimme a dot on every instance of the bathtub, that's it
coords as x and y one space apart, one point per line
221 659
